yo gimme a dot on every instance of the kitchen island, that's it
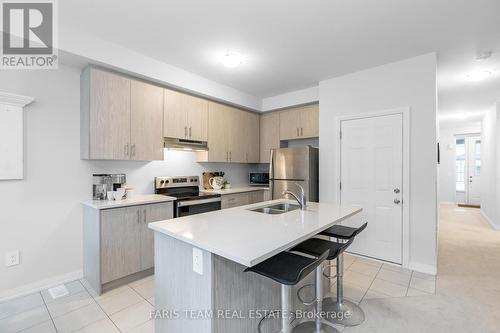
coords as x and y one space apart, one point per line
201 285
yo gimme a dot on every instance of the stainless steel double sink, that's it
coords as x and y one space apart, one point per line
276 209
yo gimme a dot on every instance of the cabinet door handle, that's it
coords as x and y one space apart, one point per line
297 131
227 156
190 131
230 157
144 215
301 131
125 150
138 216
185 131
132 150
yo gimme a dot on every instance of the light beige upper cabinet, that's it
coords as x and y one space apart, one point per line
243 130
299 123
146 122
269 135
233 135
105 115
252 137
289 124
309 121
218 134
185 116
237 144
197 118
119 117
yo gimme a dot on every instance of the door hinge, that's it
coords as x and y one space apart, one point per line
340 185
340 135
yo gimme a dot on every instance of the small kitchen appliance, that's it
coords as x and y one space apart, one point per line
189 199
259 178
102 183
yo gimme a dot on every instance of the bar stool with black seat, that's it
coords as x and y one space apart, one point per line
352 314
315 247
288 269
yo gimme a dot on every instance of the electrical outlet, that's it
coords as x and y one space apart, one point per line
197 261
12 258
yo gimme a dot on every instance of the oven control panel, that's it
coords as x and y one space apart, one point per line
166 182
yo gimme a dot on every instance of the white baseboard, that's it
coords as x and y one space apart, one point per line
423 268
487 218
39 285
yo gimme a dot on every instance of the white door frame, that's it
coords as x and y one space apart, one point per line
405 112
465 136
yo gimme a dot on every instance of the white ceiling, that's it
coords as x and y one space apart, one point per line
291 45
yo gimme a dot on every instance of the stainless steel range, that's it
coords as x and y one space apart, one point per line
190 200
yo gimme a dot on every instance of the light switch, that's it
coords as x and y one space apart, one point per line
198 261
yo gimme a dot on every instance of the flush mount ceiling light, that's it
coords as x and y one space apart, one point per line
232 59
478 76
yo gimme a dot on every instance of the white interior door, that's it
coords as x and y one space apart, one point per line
372 178
474 170
468 169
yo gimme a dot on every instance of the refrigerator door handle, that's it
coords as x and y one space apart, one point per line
271 165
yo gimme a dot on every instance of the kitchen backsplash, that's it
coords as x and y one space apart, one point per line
140 175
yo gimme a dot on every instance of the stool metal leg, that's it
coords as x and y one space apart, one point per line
316 326
344 312
286 308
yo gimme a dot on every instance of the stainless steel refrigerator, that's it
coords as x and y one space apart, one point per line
291 166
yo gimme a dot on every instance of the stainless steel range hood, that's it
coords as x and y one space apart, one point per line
186 145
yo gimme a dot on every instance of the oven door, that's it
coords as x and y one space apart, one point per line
198 206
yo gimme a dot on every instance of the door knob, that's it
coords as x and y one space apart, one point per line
397 190
397 201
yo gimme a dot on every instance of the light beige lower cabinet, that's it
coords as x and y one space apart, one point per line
118 245
267 195
242 199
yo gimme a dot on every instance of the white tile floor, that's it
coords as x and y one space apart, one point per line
127 309
367 279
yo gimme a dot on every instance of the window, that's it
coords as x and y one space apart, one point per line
477 158
460 165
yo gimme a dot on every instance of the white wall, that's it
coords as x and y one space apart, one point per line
490 174
447 138
303 96
410 83
41 215
98 51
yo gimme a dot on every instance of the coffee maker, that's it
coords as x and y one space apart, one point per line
102 183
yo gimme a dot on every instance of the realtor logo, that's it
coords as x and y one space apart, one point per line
29 39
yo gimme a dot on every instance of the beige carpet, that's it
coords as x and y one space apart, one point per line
468 284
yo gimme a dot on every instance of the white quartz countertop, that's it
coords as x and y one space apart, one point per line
137 199
249 238
237 189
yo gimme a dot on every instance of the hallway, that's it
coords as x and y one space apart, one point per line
467 288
